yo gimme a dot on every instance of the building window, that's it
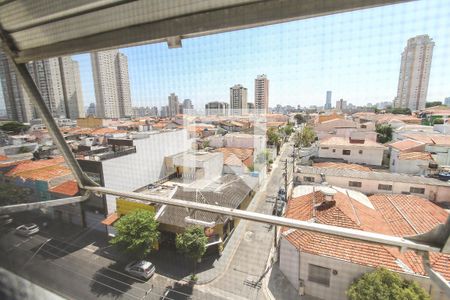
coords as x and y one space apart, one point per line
319 275
334 150
345 152
324 148
360 152
416 190
308 179
385 187
355 183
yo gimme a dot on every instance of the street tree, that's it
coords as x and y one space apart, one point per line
299 118
137 233
14 127
288 129
383 284
304 137
192 243
384 133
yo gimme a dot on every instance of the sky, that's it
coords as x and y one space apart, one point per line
356 55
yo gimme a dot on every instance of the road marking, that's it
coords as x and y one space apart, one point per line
19 244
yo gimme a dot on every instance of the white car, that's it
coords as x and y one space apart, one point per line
142 269
27 229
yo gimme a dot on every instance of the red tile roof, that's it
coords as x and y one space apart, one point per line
69 188
406 144
2 157
244 154
398 215
415 156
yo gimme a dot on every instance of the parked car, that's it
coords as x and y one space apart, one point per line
142 269
5 220
27 229
278 209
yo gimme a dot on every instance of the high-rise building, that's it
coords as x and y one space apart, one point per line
73 95
164 111
262 93
111 83
58 80
216 108
174 105
341 104
414 73
17 104
187 104
238 100
91 110
447 101
328 101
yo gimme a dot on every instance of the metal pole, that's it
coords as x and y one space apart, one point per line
58 138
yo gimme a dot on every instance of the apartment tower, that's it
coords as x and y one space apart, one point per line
174 105
328 101
414 73
238 100
262 93
111 83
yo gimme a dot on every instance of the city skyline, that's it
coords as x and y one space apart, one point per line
346 53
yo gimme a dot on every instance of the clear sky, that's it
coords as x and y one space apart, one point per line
356 55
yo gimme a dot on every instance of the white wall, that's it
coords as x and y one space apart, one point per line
289 262
370 156
442 156
130 172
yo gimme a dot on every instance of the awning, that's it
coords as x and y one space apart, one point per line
111 219
42 29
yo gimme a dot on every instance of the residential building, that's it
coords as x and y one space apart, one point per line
372 182
262 94
70 74
341 105
409 157
123 85
352 150
164 113
174 105
91 110
414 75
327 105
111 83
187 105
323 266
250 107
238 100
192 166
447 101
216 108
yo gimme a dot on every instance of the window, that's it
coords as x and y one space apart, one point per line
308 179
319 275
416 190
324 148
385 187
360 152
345 152
355 183
334 150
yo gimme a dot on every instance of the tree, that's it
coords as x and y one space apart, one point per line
384 133
137 233
273 137
300 119
192 243
304 137
438 121
433 103
288 129
383 284
14 127
399 111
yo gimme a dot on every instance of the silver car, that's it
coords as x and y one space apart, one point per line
142 269
27 229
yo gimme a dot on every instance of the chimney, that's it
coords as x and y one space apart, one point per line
328 193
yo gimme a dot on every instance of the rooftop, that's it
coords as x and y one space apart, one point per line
68 188
341 141
339 165
415 156
406 144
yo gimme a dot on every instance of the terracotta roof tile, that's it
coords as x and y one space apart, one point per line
415 156
2 157
406 144
244 154
338 165
69 188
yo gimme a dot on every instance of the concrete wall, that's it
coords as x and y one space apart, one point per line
441 154
289 260
413 167
370 156
130 172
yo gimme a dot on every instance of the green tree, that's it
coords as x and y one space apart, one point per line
192 243
300 119
14 127
383 284
399 111
438 121
273 137
288 129
433 103
384 133
12 194
137 233
304 137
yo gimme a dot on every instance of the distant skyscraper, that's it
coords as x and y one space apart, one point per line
91 110
111 83
341 104
174 105
216 108
187 104
238 100
262 93
414 73
447 101
328 101
73 95
164 111
58 80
